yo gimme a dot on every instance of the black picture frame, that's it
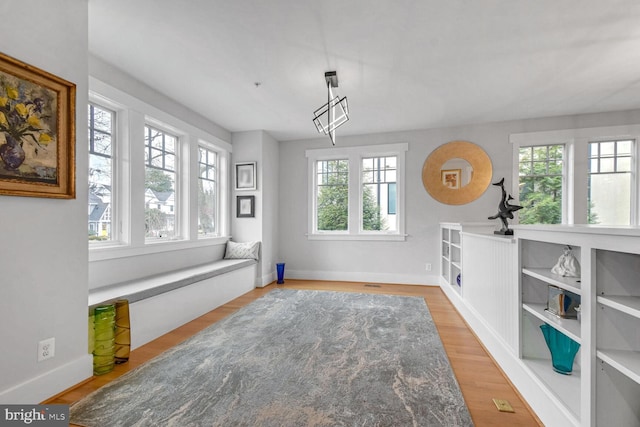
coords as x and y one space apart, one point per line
246 176
245 206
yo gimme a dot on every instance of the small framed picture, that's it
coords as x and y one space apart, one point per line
246 176
245 206
451 178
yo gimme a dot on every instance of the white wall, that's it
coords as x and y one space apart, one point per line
43 279
403 262
260 147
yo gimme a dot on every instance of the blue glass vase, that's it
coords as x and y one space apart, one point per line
563 349
280 271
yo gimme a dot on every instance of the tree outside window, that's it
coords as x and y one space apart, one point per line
207 189
160 176
100 127
333 195
541 184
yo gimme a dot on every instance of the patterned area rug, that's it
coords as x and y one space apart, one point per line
294 358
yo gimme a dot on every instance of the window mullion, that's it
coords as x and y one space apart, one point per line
355 194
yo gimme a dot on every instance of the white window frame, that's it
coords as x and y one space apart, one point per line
575 166
354 156
132 115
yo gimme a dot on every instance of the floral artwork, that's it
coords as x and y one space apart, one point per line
37 132
27 123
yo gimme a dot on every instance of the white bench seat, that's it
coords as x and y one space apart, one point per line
136 290
163 302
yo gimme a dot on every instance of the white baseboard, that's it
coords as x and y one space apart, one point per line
351 276
52 382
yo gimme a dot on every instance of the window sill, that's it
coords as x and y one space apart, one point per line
101 253
368 237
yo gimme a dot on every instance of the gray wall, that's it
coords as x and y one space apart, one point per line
403 262
43 279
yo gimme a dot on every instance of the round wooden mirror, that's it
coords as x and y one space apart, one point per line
457 173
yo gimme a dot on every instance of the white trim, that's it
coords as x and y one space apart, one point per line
363 276
49 383
124 251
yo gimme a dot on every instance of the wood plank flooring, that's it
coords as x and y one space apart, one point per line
479 377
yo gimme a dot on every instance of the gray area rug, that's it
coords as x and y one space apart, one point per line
294 358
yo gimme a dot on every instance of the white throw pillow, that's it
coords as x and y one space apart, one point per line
248 250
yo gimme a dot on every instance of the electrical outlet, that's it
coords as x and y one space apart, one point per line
46 349
428 266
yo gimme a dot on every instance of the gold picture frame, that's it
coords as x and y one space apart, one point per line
37 132
451 178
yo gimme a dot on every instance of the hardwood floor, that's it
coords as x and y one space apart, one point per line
479 377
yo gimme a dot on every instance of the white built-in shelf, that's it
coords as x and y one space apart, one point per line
455 264
626 304
446 258
455 245
569 327
565 387
625 361
571 284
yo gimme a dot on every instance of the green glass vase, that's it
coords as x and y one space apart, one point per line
104 339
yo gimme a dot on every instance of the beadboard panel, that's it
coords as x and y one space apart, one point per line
490 283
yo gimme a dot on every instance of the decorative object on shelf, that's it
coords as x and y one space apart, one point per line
245 206
246 176
563 349
280 271
439 175
579 311
123 332
505 210
567 265
562 303
37 132
334 113
459 279
104 348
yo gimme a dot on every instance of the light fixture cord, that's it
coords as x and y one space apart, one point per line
331 112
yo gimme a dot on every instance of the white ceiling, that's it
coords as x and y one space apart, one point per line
403 64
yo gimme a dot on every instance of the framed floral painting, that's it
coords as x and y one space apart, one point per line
37 132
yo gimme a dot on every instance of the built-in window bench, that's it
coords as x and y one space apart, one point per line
163 302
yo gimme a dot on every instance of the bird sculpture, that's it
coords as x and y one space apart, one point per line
505 210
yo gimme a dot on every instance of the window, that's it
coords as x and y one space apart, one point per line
332 195
160 185
101 142
357 192
540 171
591 175
610 182
207 192
379 193
146 169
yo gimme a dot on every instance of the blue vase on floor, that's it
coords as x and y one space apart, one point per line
563 349
280 271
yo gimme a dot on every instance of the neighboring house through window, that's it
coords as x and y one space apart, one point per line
156 183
